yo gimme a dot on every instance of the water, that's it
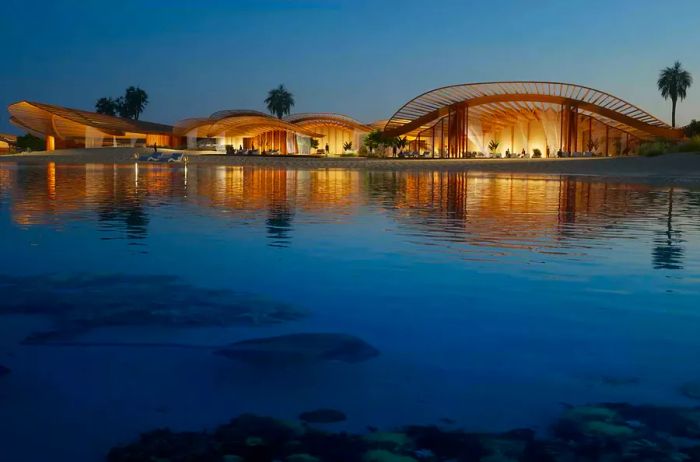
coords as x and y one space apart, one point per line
492 298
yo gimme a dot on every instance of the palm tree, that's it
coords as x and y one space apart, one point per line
135 101
279 101
673 83
106 106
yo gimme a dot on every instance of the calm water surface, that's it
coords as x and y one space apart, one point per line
493 299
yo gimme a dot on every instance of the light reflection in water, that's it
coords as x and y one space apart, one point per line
542 214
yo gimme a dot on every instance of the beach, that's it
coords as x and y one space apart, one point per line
680 168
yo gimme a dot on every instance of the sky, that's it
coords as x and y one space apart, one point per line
362 58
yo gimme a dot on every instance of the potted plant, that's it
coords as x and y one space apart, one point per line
347 146
493 147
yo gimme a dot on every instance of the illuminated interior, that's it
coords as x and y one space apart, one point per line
339 131
244 129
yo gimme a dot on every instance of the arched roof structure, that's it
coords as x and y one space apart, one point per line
46 119
317 119
246 123
500 102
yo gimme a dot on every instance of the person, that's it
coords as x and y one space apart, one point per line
522 154
326 148
155 148
507 153
240 147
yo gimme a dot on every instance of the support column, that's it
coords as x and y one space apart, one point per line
466 131
607 140
50 143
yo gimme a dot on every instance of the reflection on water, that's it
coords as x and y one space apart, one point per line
545 214
492 298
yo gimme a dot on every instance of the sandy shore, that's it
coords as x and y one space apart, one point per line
682 169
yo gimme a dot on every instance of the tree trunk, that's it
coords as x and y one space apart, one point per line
673 113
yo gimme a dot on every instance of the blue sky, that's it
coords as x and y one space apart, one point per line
363 58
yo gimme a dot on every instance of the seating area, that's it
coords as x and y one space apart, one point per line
162 157
231 151
415 155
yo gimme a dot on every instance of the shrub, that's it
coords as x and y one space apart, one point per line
536 153
30 142
692 129
654 148
362 151
690 145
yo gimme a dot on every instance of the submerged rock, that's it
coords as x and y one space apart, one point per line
4 370
79 302
322 416
380 455
391 441
609 432
296 348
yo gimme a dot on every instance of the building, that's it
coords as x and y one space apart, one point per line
522 118
73 128
529 118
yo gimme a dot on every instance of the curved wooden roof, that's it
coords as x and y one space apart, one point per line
319 119
237 122
504 101
7 138
62 122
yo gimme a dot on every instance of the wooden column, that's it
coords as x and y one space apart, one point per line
466 130
50 143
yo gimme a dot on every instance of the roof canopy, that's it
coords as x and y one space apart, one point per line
319 119
243 123
10 139
501 103
46 119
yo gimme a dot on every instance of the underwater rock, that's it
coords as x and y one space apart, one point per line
392 441
608 432
4 370
380 455
166 445
691 390
322 416
302 458
456 445
78 302
296 348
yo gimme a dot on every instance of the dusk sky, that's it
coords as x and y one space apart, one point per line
362 58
